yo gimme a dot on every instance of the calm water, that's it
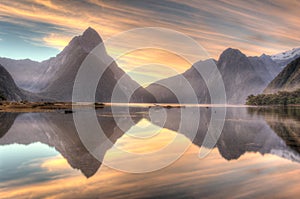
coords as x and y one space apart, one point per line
257 155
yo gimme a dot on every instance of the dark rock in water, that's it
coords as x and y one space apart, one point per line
69 111
99 105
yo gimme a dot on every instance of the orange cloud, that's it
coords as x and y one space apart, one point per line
108 18
253 27
57 41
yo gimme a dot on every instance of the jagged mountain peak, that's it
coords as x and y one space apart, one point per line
89 34
87 41
230 59
233 60
90 31
264 56
232 52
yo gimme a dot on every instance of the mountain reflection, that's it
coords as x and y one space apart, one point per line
58 130
285 122
245 130
6 121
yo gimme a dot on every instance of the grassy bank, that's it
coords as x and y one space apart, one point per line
25 106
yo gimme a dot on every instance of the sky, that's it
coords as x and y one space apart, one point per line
39 29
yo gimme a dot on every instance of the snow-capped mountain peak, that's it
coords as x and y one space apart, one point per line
287 54
286 57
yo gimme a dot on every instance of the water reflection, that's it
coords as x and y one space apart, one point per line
273 131
235 168
285 122
6 121
244 131
58 130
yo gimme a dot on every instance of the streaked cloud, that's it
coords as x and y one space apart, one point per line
254 27
216 25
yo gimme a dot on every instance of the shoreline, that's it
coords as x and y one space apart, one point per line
6 106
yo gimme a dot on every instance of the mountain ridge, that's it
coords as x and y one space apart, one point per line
8 87
54 78
242 76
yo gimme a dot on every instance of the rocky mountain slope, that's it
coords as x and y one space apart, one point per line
287 80
8 88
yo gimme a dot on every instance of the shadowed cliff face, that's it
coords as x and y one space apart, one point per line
8 88
287 80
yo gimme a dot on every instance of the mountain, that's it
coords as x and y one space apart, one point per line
286 57
242 76
62 71
265 67
8 88
54 78
160 89
287 80
24 71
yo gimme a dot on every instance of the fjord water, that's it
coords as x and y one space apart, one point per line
257 155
